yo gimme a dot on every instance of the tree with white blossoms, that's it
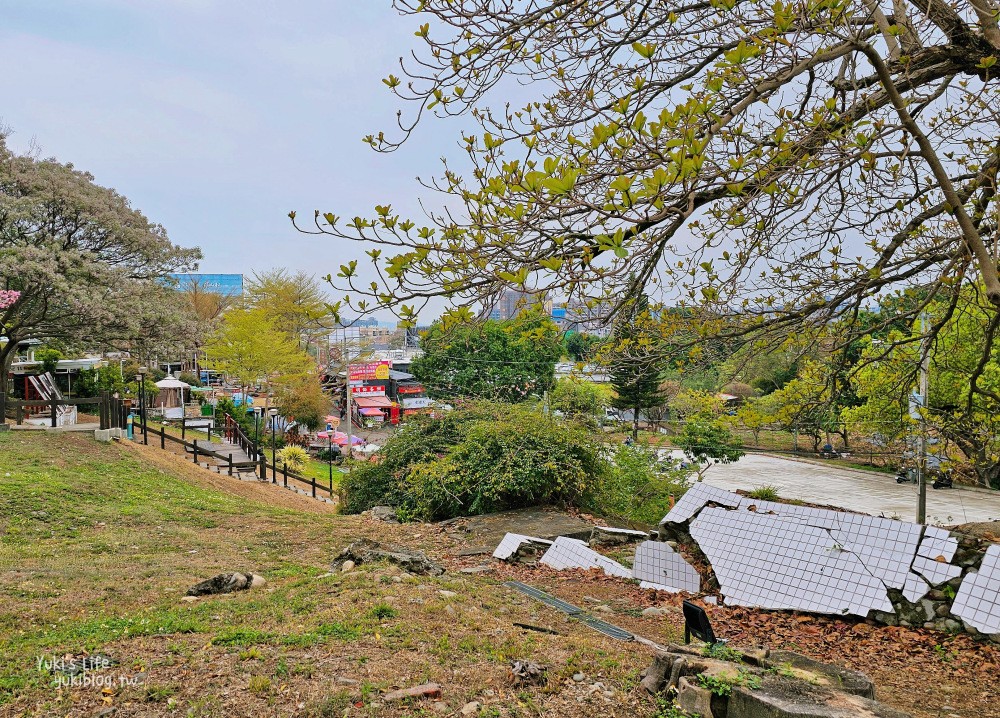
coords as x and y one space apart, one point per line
773 165
88 270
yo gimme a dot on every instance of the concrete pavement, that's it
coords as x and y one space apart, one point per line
868 492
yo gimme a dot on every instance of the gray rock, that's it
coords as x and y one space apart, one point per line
347 566
475 569
654 612
368 551
223 583
384 513
470 709
579 677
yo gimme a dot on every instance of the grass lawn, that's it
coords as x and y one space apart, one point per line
320 470
98 543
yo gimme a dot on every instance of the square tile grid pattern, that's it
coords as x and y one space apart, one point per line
659 566
937 542
978 599
695 498
915 588
510 543
783 563
573 553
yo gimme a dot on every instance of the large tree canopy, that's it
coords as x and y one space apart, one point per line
88 267
783 162
500 361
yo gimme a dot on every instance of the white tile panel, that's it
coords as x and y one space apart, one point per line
936 572
772 562
937 542
978 599
695 498
510 543
886 547
659 566
624 532
915 588
572 553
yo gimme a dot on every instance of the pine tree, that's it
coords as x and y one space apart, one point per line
636 366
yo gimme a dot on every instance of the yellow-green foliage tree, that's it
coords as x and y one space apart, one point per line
964 384
251 349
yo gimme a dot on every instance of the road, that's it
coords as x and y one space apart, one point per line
868 492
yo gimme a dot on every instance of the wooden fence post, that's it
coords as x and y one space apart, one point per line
313 480
284 473
263 467
183 428
54 408
163 437
195 442
230 464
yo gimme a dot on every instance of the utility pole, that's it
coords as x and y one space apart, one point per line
350 398
922 459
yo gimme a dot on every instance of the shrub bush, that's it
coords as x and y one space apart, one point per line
293 458
478 459
638 487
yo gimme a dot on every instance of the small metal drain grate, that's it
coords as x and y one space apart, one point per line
578 613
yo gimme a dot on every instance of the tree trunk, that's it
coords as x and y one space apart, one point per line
635 424
6 355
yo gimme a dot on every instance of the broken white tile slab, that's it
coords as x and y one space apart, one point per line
572 553
936 572
659 566
937 542
771 562
510 543
915 588
977 602
624 532
695 498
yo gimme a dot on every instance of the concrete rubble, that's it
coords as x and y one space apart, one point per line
367 551
227 583
779 685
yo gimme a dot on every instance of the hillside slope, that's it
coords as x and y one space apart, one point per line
98 543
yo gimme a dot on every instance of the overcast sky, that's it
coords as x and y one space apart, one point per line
217 117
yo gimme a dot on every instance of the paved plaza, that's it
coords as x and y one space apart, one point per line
868 492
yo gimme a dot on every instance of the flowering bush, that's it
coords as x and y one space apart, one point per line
8 297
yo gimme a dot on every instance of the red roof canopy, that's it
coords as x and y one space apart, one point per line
366 402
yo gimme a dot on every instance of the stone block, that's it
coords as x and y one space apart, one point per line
102 435
825 674
693 699
789 698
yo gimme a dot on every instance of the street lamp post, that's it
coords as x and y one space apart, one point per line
141 378
274 441
329 452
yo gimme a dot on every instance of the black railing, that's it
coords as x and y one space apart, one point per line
260 467
235 435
